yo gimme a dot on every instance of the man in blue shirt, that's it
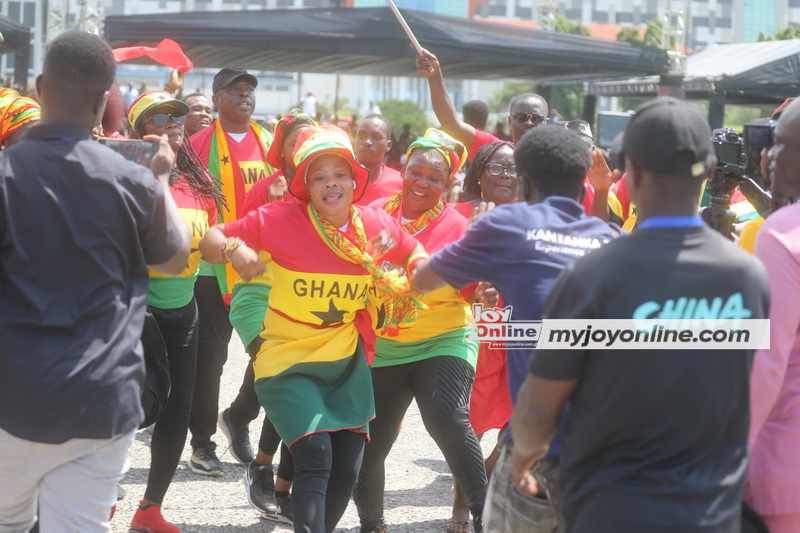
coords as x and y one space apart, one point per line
521 248
656 439
79 227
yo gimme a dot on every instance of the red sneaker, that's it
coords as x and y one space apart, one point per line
150 521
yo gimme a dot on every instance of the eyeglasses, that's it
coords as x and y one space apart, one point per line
522 118
496 169
160 120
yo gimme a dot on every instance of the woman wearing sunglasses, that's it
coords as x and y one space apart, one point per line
170 299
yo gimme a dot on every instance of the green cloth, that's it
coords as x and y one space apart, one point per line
453 343
207 269
320 396
249 304
171 292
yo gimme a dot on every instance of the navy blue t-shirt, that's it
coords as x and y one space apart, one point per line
78 226
521 249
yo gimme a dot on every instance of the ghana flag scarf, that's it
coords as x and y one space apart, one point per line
393 289
225 167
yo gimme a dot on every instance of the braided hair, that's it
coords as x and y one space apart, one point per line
200 181
188 164
482 157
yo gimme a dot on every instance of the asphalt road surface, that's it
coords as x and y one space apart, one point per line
418 484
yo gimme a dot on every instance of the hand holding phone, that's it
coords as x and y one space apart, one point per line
135 150
164 158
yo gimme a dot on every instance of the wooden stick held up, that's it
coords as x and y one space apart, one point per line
403 23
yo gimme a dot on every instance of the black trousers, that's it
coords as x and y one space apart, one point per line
242 413
441 386
179 330
326 468
214 334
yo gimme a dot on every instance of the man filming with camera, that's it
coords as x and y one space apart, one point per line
774 475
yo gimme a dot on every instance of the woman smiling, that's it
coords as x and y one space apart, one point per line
170 299
312 375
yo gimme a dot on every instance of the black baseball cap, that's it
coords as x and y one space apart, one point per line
229 75
669 136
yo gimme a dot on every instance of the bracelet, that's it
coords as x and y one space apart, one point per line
230 245
170 86
414 262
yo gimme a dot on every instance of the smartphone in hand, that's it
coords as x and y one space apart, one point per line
138 151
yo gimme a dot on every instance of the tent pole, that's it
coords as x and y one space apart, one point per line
716 109
22 59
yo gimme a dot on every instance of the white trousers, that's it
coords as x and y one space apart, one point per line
73 485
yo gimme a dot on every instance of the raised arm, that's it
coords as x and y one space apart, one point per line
443 106
161 166
601 178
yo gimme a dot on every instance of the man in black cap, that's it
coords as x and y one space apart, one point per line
233 149
656 440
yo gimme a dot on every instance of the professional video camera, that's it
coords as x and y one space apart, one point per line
730 173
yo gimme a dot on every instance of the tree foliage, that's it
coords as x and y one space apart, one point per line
400 112
783 34
652 34
564 25
501 98
568 100
630 34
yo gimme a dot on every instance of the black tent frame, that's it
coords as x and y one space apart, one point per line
370 41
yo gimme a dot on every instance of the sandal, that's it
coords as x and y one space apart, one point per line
454 526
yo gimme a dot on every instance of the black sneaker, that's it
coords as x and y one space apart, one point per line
204 462
284 514
259 484
373 526
238 438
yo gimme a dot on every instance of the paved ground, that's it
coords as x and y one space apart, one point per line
418 485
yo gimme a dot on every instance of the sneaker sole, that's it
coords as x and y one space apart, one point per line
223 427
264 514
200 471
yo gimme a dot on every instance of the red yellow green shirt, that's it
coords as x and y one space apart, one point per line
172 292
439 330
250 299
310 373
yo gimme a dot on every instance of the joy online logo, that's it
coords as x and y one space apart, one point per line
495 327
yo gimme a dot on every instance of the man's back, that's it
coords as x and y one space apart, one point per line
656 440
78 224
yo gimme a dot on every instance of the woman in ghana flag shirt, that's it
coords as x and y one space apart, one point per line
312 374
430 361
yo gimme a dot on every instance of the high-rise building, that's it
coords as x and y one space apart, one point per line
707 21
456 8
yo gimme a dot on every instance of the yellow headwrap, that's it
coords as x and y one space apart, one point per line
453 151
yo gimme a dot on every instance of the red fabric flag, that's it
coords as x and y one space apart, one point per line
168 53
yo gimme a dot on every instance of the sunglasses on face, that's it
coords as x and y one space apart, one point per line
522 118
496 169
160 120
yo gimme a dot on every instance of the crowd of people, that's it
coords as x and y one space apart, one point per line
352 285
